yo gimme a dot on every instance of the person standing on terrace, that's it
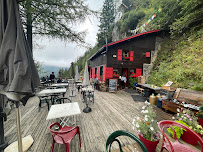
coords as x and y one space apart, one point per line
52 77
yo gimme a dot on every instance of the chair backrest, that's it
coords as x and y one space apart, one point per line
168 124
118 133
60 127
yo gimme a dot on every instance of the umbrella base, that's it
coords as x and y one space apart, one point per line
26 142
87 110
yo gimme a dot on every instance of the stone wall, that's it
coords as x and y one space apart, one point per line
148 68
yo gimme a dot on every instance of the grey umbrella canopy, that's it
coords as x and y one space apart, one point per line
86 80
18 74
76 73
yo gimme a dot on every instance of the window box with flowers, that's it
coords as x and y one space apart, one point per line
115 75
126 58
146 127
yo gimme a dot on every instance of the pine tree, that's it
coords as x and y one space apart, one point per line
107 18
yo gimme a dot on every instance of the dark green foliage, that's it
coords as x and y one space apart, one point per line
107 18
63 72
132 81
181 61
54 18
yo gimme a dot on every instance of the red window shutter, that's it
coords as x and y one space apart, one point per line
138 72
131 55
148 54
119 55
90 73
98 72
104 73
109 73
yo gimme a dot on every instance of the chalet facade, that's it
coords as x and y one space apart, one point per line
123 57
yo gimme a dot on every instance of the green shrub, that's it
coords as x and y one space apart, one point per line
132 81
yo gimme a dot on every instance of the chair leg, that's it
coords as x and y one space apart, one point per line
67 147
53 145
79 137
47 103
161 149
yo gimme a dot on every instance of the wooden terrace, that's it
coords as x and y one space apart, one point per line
110 112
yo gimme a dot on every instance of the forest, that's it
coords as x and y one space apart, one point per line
181 57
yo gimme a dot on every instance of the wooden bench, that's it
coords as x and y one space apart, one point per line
141 90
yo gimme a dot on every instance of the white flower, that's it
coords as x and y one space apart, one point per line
178 114
173 117
146 111
143 107
133 121
138 118
184 111
142 111
147 103
152 129
152 120
137 125
178 110
138 130
146 116
146 119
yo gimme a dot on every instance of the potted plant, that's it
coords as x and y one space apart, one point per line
147 127
200 115
187 118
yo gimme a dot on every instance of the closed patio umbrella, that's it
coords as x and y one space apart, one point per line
86 80
76 73
18 74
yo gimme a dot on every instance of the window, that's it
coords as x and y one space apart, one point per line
116 73
126 55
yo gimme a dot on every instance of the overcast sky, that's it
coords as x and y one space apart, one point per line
61 54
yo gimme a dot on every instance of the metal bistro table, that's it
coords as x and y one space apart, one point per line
60 85
63 111
52 93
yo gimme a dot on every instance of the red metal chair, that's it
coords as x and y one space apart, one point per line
176 146
64 135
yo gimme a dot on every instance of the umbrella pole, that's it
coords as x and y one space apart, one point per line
20 147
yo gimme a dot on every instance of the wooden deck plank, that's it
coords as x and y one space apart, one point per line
110 112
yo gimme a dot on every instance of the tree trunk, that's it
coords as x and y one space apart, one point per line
29 23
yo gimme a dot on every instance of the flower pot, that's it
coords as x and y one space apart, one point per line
189 138
200 121
150 145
